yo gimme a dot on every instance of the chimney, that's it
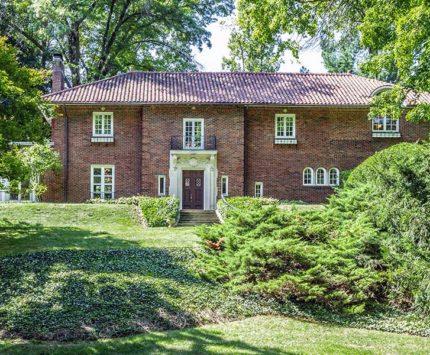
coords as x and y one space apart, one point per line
57 73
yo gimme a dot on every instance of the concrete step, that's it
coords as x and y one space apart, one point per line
197 217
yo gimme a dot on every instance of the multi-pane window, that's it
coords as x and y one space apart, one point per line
285 126
193 134
103 124
334 177
224 185
102 182
258 189
161 185
320 176
385 124
308 176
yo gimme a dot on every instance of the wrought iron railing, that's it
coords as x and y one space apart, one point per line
193 143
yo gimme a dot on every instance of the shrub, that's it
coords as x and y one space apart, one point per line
244 203
132 200
370 244
299 255
159 211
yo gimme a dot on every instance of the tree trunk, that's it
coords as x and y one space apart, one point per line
74 49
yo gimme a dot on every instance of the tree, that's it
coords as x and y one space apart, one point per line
246 55
29 164
340 55
22 107
304 70
99 38
393 35
398 32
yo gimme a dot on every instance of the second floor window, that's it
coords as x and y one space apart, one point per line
102 124
385 124
193 133
285 126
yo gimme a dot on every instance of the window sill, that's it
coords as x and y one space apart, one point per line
285 141
386 134
102 139
315 185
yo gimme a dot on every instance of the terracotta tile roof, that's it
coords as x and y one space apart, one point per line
225 88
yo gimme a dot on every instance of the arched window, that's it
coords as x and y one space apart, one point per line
320 176
308 176
334 177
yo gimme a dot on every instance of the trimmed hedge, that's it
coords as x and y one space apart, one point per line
156 211
133 200
159 211
244 203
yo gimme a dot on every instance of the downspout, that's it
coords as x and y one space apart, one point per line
245 150
66 156
141 151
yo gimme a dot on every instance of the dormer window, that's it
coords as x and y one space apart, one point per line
385 127
285 129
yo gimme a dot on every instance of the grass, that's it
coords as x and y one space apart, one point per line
84 272
258 335
37 227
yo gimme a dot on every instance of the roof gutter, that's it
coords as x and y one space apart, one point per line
204 104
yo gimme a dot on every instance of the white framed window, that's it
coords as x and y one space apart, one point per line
385 127
333 177
258 189
193 133
161 185
103 181
224 185
385 124
102 124
321 176
308 176
285 126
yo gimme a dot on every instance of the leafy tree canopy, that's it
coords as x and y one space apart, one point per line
250 56
99 38
21 103
393 35
29 164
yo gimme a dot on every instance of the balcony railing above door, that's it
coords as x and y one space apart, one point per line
193 143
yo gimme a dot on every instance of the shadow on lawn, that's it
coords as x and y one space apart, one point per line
190 341
17 237
88 294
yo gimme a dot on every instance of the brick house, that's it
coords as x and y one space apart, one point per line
200 135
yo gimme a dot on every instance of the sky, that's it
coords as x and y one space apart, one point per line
211 58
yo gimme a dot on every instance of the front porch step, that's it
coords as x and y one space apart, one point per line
197 217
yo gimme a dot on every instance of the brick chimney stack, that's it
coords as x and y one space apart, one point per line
57 73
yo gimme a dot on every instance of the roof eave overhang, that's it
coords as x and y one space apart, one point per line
62 103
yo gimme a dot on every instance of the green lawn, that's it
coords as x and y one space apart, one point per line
83 272
258 335
35 227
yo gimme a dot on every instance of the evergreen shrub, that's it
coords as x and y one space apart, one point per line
369 245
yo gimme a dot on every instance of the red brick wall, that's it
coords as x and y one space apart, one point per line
326 137
160 123
124 153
